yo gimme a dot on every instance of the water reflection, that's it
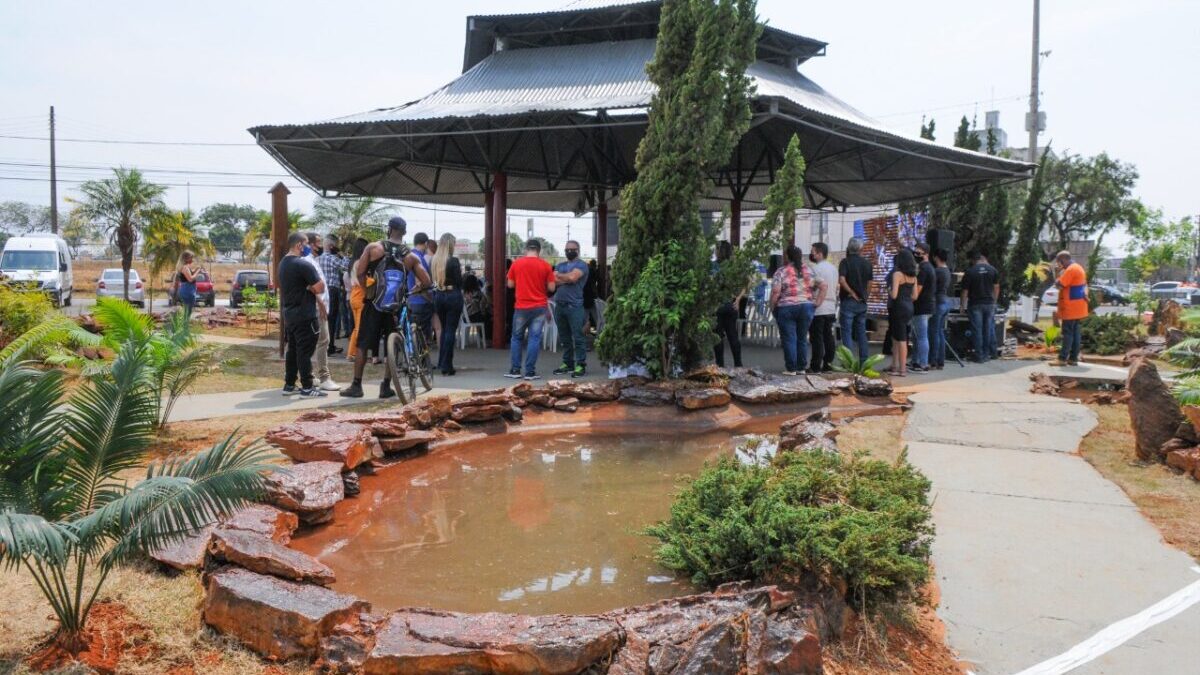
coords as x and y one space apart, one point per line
534 526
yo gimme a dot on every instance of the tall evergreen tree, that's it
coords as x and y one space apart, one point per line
1026 251
700 111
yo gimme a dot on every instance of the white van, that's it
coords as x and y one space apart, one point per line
43 259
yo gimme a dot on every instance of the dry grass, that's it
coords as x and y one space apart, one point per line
86 272
878 436
1169 500
244 368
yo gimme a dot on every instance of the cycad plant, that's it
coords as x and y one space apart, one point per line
175 357
68 514
1186 355
847 362
1051 337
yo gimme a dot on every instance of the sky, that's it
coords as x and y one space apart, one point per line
1122 77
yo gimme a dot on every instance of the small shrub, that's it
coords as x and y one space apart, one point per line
860 524
1107 334
21 311
847 361
1051 336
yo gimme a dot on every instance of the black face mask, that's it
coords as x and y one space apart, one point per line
812 258
572 254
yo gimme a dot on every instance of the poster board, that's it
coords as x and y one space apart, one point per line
882 238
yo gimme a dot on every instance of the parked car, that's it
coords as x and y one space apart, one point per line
1109 295
257 279
1168 289
1050 297
40 261
109 285
205 293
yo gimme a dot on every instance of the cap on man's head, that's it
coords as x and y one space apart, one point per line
533 245
922 247
397 224
420 238
1063 255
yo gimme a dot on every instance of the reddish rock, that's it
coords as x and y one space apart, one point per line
514 413
814 431
522 390
753 386
315 415
426 412
1152 410
568 404
323 441
309 489
482 413
1192 413
388 427
187 553
427 641
346 648
1186 460
710 374
276 618
476 399
542 400
451 425
698 399
633 658
259 554
648 395
410 440
1042 384
262 519
872 386
602 390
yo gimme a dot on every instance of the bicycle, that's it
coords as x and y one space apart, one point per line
407 356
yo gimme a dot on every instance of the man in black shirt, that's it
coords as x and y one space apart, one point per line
941 307
299 286
981 288
923 308
854 285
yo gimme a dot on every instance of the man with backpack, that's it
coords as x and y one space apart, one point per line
381 263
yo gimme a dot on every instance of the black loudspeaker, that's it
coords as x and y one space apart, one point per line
944 240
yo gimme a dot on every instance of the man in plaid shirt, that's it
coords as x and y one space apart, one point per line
333 265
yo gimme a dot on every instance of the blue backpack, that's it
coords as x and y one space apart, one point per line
391 285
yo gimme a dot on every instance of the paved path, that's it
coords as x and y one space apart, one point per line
1036 552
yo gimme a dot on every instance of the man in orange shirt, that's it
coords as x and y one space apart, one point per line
1072 307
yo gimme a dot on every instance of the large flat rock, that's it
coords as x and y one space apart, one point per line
308 488
187 553
328 440
264 519
754 386
276 618
260 554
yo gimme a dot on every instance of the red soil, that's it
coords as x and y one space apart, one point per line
111 634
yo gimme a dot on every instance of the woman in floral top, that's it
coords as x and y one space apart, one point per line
795 293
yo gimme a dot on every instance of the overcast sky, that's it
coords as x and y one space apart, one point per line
1123 77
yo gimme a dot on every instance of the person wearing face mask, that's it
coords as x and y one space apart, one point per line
923 308
321 356
571 276
820 332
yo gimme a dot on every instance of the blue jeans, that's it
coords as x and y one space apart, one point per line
421 315
1072 341
937 333
449 307
570 334
793 322
854 327
920 328
983 331
187 296
533 320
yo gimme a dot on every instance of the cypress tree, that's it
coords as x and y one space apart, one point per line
1025 250
697 116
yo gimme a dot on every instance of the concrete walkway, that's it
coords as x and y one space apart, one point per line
1036 552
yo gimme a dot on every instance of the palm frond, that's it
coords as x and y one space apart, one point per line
1187 390
121 322
177 498
181 373
31 431
109 423
1186 355
24 535
56 329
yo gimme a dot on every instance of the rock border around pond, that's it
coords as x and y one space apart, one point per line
272 598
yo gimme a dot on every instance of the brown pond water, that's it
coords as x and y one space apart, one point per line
524 524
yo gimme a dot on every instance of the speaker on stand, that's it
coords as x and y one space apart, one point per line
942 239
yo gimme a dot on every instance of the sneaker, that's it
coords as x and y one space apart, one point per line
1072 363
312 393
353 391
289 389
564 369
334 350
514 374
328 384
1058 363
579 371
385 390
532 376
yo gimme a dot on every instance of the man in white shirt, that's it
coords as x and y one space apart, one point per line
321 356
820 332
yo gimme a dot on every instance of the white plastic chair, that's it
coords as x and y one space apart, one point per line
550 331
467 330
601 308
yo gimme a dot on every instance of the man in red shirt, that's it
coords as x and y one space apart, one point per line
1072 307
533 279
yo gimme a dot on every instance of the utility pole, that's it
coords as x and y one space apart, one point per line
53 179
1031 122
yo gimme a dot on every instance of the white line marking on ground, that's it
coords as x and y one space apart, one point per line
1120 632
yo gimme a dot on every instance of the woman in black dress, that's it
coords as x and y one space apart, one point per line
903 290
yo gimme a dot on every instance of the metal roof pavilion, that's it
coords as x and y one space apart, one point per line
557 102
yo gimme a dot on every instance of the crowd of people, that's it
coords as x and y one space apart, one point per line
326 295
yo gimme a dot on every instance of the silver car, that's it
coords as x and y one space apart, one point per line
109 286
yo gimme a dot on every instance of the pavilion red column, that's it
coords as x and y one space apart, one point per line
602 249
279 236
735 222
487 237
499 238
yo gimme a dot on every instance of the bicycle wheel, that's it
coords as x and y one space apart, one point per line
397 365
420 366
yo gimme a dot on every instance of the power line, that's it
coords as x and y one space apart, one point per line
117 142
101 167
1005 99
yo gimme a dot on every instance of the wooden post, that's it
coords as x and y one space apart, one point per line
602 250
499 237
487 237
279 236
735 222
